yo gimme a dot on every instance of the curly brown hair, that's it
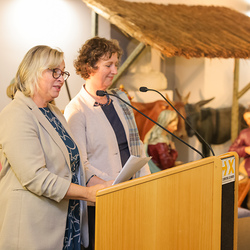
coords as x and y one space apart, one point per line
93 50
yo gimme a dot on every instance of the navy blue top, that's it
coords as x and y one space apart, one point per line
118 128
72 230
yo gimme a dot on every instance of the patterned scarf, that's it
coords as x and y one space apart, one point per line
134 139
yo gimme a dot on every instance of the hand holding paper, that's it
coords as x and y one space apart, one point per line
132 165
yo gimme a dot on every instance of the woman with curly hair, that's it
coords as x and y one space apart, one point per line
104 127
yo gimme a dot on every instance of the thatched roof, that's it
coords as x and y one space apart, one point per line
180 30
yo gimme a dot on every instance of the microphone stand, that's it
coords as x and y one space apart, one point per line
145 89
103 93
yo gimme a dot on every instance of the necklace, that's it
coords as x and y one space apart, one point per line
103 104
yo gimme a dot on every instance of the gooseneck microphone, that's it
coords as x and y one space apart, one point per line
145 89
103 93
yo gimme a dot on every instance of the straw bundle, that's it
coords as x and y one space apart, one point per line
181 30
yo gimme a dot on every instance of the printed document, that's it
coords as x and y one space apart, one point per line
132 165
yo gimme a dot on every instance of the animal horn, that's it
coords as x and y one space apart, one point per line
203 102
181 98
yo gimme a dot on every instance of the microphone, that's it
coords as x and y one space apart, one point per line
145 89
103 93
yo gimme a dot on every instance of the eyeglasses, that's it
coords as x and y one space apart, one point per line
56 73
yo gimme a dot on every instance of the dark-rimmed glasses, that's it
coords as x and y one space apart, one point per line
56 73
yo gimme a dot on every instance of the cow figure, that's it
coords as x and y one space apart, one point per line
152 110
214 125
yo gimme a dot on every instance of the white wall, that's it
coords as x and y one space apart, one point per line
58 23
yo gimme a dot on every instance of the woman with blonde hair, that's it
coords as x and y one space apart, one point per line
43 190
159 144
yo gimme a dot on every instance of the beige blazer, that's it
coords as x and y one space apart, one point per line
35 177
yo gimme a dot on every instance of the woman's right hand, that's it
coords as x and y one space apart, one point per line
78 192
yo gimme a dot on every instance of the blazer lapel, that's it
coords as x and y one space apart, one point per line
46 124
52 132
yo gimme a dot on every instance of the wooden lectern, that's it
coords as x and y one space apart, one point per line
178 208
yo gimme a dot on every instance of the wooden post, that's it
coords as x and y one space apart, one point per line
94 23
235 104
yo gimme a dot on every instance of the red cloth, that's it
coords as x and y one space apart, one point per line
238 146
162 155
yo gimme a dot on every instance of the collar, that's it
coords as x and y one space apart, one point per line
27 100
20 97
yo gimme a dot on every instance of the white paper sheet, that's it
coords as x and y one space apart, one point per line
132 165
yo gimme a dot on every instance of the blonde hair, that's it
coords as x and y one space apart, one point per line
10 91
36 60
155 133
